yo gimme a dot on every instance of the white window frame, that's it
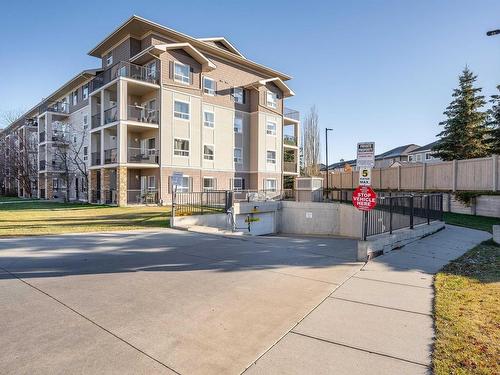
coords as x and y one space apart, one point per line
182 115
240 127
275 188
208 91
214 183
109 59
85 91
241 183
74 97
185 80
237 160
183 188
419 157
411 158
271 99
208 155
236 98
85 153
206 123
429 156
180 152
270 160
271 131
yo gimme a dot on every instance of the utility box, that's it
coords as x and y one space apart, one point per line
309 189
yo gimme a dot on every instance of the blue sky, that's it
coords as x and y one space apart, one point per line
378 71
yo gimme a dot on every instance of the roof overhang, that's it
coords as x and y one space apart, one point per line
158 49
225 42
287 92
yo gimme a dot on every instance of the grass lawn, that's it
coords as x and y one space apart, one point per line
470 221
39 218
10 199
467 313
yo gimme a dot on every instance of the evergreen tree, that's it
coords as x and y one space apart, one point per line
494 124
465 130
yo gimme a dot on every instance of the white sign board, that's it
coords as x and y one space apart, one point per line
365 177
366 155
309 215
177 178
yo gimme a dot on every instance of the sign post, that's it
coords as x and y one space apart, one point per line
176 180
364 199
366 155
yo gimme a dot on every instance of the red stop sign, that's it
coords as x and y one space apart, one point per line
364 198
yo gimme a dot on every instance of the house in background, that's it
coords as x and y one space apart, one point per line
423 154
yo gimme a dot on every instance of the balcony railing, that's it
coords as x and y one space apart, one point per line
138 196
110 196
42 164
110 156
290 167
111 115
42 137
289 140
95 120
57 165
60 137
58 107
125 69
291 113
139 114
143 156
95 158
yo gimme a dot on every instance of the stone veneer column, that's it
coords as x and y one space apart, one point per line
121 186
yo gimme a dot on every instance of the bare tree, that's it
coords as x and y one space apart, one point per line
310 143
10 116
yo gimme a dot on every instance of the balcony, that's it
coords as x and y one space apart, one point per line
125 69
139 114
57 107
57 165
42 137
95 121
42 164
289 140
110 156
111 115
62 137
291 114
95 158
289 167
142 156
138 196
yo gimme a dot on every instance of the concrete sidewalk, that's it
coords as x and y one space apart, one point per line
379 321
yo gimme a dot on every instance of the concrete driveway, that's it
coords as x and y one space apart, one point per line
158 301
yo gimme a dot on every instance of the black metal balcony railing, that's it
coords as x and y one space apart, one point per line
110 156
291 113
42 165
42 137
58 107
110 196
290 167
140 114
111 115
57 165
143 156
138 196
95 120
95 158
60 137
125 69
290 140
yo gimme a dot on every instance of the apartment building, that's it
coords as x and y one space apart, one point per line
165 102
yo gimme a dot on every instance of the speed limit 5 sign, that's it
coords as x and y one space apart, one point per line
365 177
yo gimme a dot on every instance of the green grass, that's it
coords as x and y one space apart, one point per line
467 313
41 218
470 221
10 199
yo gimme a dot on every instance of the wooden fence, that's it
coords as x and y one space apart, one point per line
481 174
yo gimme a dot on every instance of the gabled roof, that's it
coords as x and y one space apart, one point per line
137 26
398 151
277 81
427 147
190 50
223 41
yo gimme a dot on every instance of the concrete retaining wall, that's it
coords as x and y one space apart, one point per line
484 205
212 220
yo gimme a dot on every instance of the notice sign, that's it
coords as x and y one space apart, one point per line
365 177
364 198
366 155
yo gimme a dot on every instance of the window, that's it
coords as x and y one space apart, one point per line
209 86
238 123
74 97
271 157
208 119
411 158
181 110
151 183
271 128
85 153
181 73
428 156
181 147
272 99
85 92
238 183
208 152
419 157
151 70
55 183
109 59
238 95
208 183
238 155
85 119
185 185
270 184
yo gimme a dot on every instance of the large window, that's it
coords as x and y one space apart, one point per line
151 70
181 110
85 92
208 119
74 97
270 184
181 147
181 73
238 123
272 99
185 186
209 183
238 183
209 86
271 128
109 60
238 155
271 157
208 152
238 95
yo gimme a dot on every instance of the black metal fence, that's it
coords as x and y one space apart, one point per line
206 202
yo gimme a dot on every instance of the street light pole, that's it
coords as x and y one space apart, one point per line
326 144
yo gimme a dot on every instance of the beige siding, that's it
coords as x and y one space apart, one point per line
474 174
